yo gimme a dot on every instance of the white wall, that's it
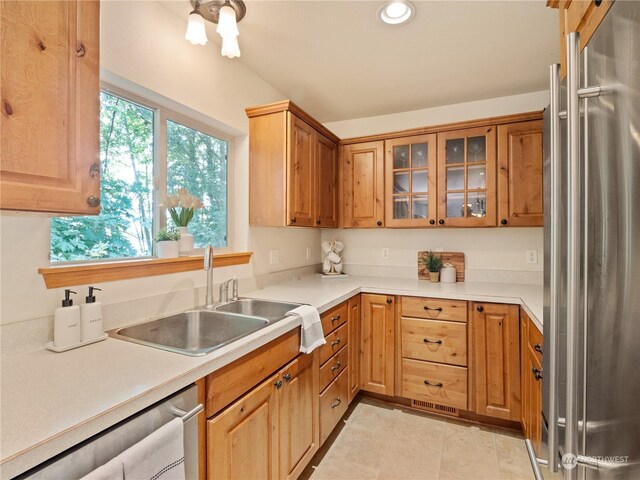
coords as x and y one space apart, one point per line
494 254
144 43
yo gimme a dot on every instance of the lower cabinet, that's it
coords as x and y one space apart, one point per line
377 334
531 377
333 405
496 343
354 346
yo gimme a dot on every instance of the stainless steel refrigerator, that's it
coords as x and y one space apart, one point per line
591 363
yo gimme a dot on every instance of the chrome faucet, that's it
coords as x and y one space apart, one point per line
208 266
224 290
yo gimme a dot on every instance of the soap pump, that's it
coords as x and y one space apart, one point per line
91 314
66 324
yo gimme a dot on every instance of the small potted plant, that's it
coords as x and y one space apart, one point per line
182 206
433 263
168 242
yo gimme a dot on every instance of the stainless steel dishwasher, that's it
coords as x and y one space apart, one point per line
82 459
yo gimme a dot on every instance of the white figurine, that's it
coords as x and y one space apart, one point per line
332 263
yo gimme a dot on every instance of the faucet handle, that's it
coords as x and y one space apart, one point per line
208 257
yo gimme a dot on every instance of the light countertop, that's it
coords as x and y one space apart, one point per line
52 401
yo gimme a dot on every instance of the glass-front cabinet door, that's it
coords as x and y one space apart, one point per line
410 176
467 177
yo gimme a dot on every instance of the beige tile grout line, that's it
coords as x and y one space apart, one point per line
395 428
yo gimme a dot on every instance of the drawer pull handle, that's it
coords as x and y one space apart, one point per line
538 348
287 377
336 318
437 342
537 373
429 384
427 307
336 367
336 342
335 403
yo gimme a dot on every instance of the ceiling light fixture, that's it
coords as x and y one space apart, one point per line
226 14
396 12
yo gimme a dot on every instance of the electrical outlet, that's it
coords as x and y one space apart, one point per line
532 256
308 253
385 254
274 256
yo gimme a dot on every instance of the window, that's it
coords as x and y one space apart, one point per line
138 141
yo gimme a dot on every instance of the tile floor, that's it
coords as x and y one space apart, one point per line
378 441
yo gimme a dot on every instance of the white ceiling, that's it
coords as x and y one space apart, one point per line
337 61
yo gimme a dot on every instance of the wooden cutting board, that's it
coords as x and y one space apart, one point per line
454 258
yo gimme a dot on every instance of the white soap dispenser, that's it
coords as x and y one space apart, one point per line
66 324
91 314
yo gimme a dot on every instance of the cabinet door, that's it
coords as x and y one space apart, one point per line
377 343
300 172
326 201
520 174
363 188
534 398
354 347
524 375
497 351
410 181
248 429
298 416
467 177
49 130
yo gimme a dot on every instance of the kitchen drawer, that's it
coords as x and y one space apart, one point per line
420 341
332 319
335 341
333 367
333 404
448 383
434 308
535 339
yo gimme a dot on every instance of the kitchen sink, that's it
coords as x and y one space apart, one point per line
268 309
194 332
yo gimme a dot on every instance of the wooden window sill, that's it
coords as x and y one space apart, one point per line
56 277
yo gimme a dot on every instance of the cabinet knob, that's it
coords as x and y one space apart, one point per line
432 222
94 170
389 301
42 46
293 220
278 384
538 348
318 222
93 201
287 377
480 308
80 51
441 222
537 373
379 223
503 221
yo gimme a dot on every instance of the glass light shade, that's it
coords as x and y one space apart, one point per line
396 12
195 29
227 25
230 47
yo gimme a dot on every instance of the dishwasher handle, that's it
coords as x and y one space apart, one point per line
186 416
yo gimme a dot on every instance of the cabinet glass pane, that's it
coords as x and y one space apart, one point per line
476 176
455 178
401 182
476 204
401 156
419 206
455 150
419 182
419 155
476 149
454 205
401 207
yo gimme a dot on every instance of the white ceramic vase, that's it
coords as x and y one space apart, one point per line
186 240
168 249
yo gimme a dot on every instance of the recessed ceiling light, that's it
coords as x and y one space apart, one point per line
396 12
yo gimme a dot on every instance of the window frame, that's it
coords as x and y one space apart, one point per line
162 114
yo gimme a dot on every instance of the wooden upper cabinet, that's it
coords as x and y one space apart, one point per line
410 181
377 343
496 343
301 162
467 177
326 202
520 174
363 184
49 131
293 171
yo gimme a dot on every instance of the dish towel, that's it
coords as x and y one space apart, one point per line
312 335
112 470
160 456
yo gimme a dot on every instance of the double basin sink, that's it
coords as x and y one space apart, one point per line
200 331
